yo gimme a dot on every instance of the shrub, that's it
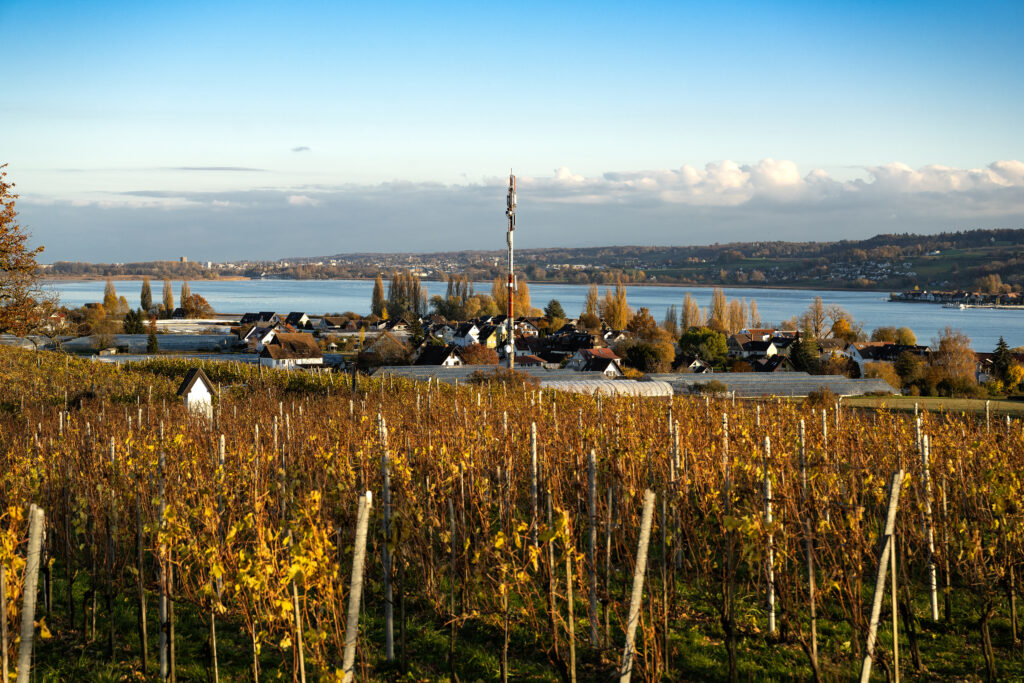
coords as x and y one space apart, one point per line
822 397
511 378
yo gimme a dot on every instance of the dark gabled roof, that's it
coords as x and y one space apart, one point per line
464 329
334 320
739 340
294 318
775 363
191 377
757 346
599 364
783 342
261 317
435 355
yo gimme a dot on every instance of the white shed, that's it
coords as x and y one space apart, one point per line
197 392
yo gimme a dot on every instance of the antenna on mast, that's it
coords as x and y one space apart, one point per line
510 212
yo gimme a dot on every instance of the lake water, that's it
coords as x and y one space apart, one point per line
983 326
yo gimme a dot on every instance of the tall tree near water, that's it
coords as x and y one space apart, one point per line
499 292
693 316
186 291
406 296
592 302
146 298
168 298
110 297
377 301
718 317
615 308
20 295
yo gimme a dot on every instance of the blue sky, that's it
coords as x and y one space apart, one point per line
390 126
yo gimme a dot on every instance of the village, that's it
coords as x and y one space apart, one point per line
707 352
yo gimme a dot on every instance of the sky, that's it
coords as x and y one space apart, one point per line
221 131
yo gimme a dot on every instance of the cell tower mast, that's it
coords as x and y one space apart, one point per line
510 212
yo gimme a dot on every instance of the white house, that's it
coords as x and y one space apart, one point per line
197 392
596 360
467 335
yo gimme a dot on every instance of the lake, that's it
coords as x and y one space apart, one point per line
872 309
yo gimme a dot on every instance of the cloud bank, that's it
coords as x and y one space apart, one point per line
723 201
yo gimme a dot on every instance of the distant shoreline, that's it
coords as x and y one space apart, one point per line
102 278
675 285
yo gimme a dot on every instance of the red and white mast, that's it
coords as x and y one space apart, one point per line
510 212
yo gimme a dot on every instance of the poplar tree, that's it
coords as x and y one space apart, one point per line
591 303
693 316
718 315
186 291
110 297
378 301
168 298
146 300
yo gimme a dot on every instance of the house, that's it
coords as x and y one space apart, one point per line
759 349
596 360
332 323
196 390
291 350
256 337
881 352
692 364
784 345
526 327
388 347
263 318
443 331
527 346
298 320
446 356
399 326
775 363
491 336
467 334
735 343
530 361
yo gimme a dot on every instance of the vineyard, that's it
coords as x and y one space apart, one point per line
312 530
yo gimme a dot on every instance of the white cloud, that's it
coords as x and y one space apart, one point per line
719 202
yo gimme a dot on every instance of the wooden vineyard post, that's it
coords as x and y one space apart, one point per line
592 544
626 670
164 620
533 481
929 528
139 570
451 578
888 549
608 568
385 468
355 594
947 593
569 550
771 540
4 675
809 547
28 601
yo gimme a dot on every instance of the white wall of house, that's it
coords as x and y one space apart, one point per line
199 399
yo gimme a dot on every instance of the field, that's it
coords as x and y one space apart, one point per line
512 533
998 409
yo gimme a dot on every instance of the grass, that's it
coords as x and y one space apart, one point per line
998 407
949 650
